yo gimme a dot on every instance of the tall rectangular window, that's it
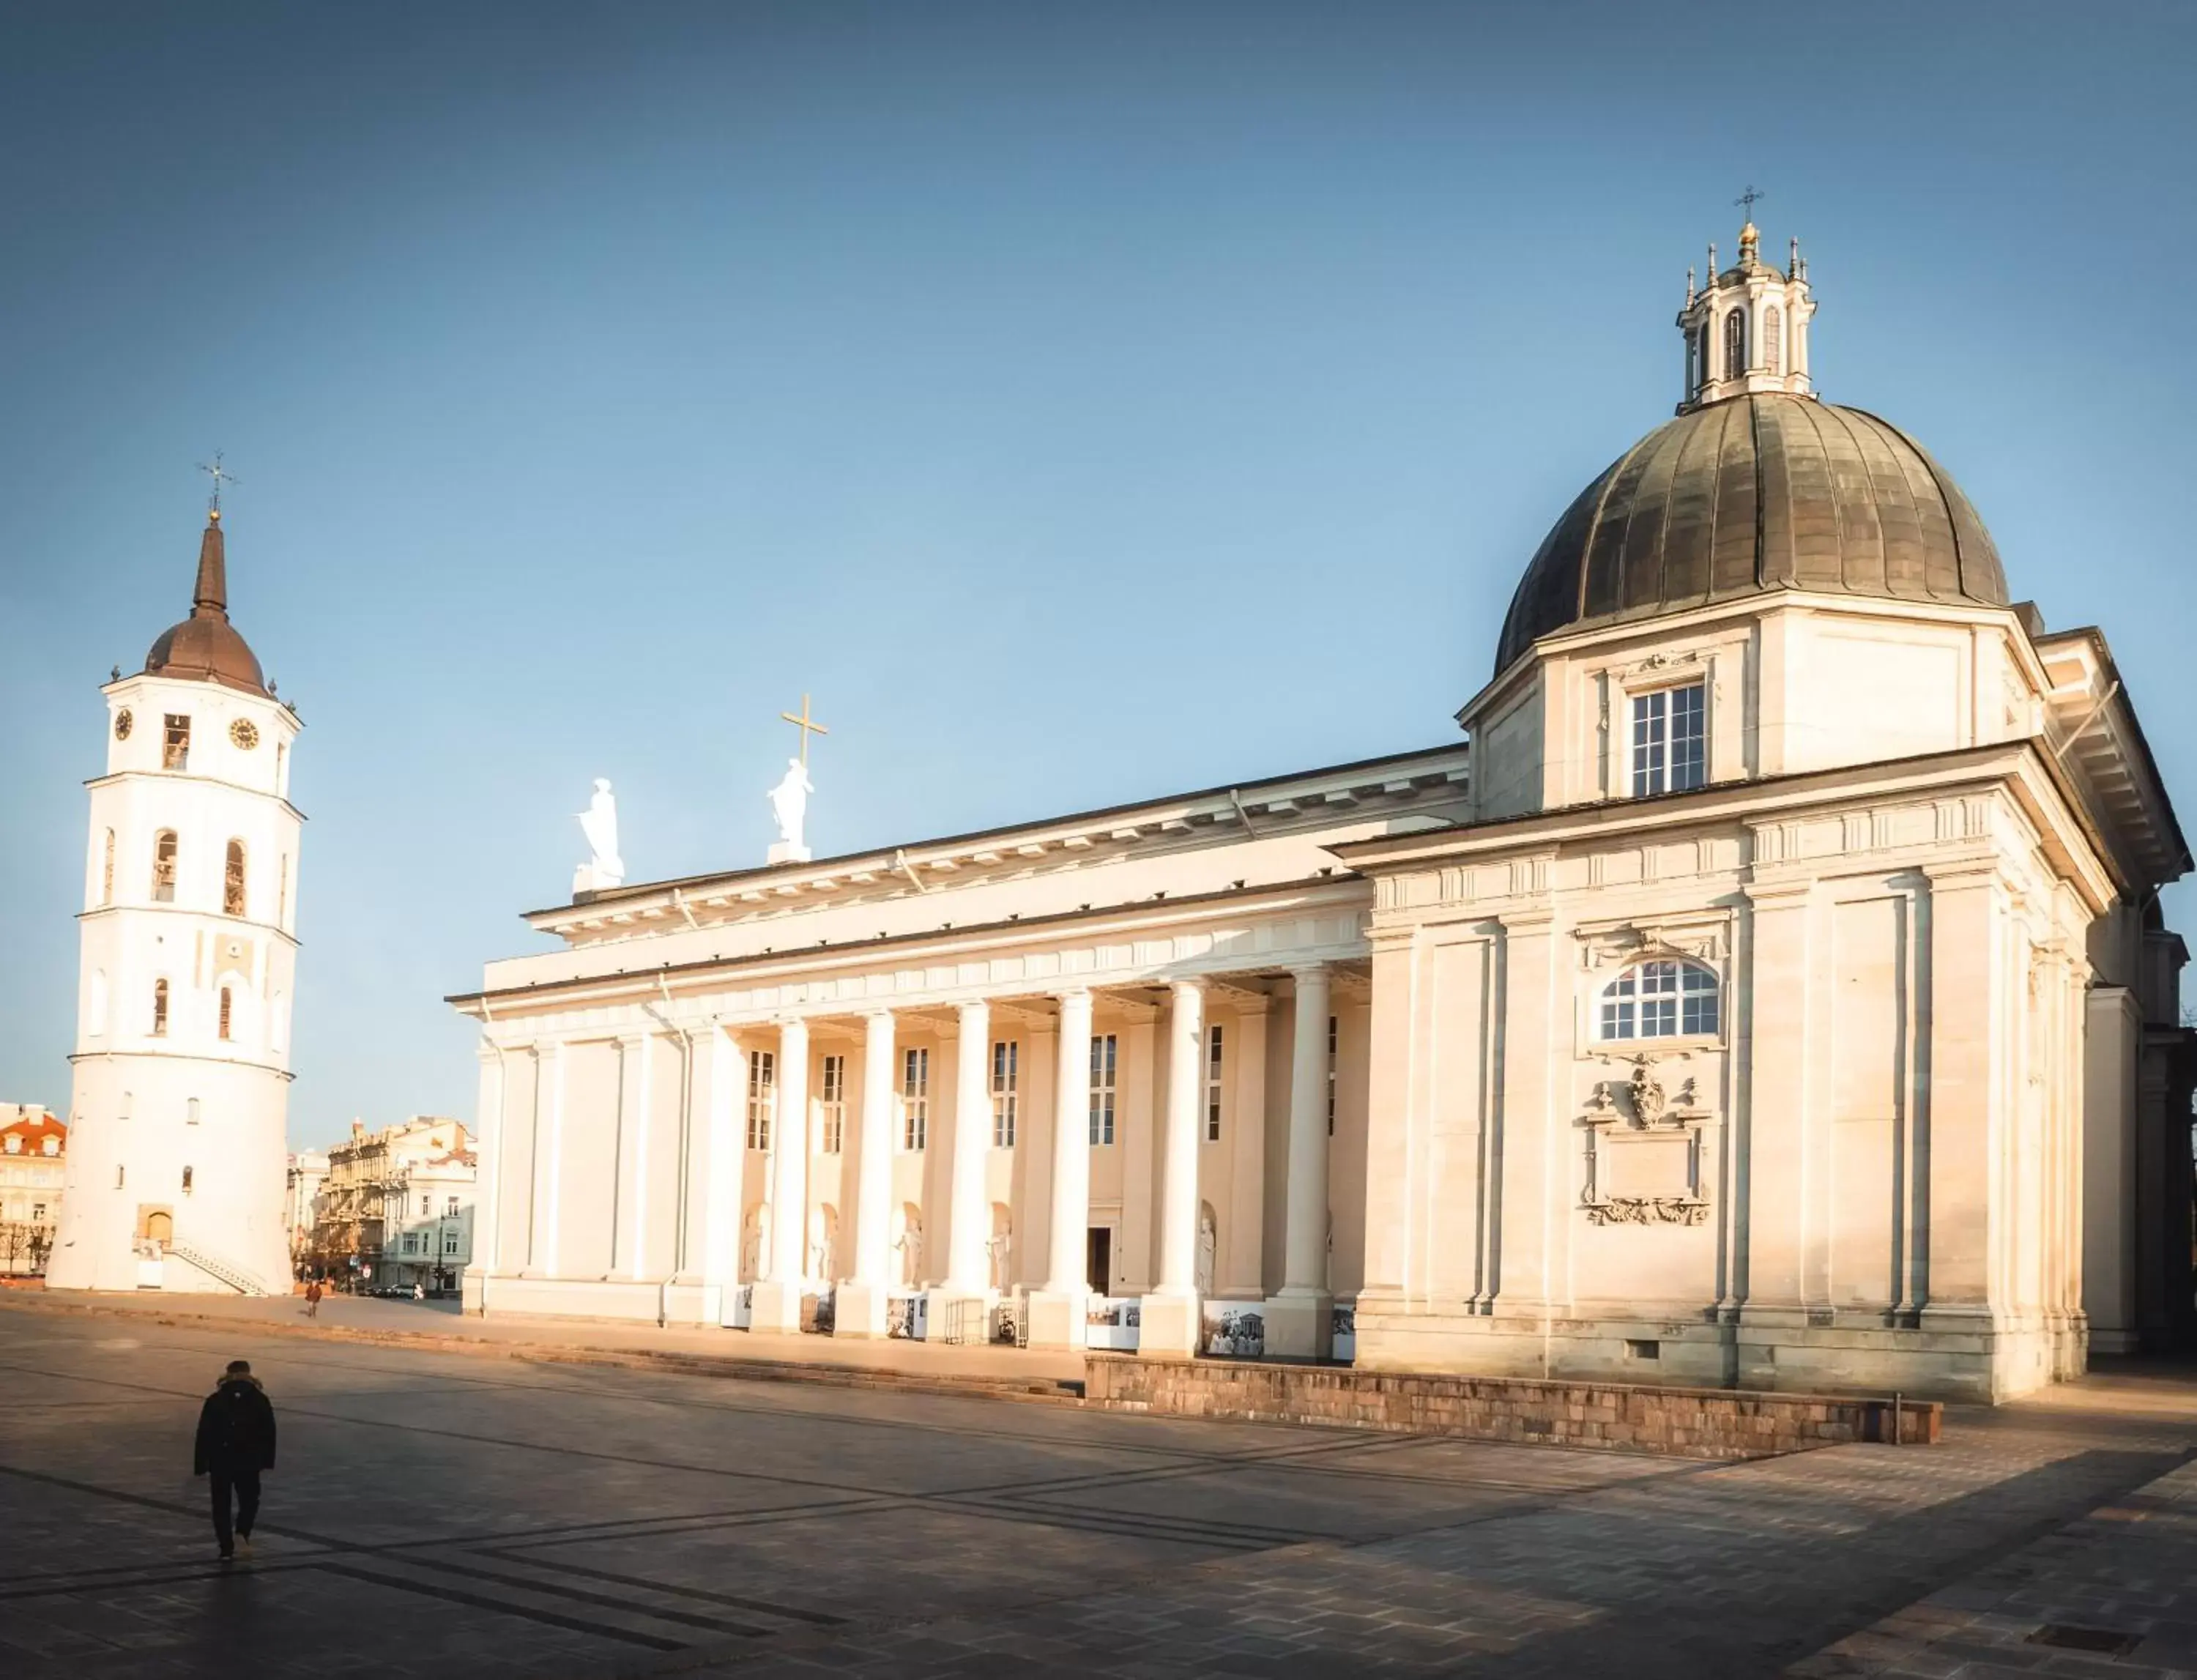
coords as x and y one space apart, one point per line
1104 1052
1213 1085
915 1099
164 866
1007 1081
1668 737
1334 1041
176 743
763 1096
834 1104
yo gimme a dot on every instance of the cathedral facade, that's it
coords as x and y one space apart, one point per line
1769 990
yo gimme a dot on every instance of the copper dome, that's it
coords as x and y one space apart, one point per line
1748 496
205 646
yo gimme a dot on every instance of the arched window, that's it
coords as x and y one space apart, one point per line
1701 355
186 1181
1734 344
1661 999
225 1014
232 881
191 1111
1773 340
107 872
159 1009
164 866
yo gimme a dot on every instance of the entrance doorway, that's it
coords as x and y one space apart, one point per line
1098 1260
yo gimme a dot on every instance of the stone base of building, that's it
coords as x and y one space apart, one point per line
1168 1326
1683 1422
859 1310
1056 1319
777 1308
1946 1353
626 1300
1301 1325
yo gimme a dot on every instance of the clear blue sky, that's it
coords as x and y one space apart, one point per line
1082 401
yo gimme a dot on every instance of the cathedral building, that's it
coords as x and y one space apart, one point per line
1770 989
182 1074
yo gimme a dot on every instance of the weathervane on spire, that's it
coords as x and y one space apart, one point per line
220 475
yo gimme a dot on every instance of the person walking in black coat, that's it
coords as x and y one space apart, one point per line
236 1442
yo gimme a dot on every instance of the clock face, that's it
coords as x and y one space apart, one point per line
122 722
244 733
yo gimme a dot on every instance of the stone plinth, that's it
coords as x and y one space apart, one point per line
1682 1423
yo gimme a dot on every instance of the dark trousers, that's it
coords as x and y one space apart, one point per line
245 1484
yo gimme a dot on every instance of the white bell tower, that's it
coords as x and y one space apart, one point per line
187 971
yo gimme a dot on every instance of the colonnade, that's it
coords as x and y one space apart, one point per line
1297 1318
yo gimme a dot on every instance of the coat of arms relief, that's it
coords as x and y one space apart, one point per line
1645 1148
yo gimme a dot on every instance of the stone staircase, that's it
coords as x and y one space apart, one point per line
221 1270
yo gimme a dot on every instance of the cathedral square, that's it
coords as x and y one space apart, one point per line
1464 962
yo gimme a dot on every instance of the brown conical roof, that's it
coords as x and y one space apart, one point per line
206 647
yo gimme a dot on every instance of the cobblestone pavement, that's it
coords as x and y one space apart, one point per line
2115 1594
434 1513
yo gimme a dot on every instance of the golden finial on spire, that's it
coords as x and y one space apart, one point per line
1749 235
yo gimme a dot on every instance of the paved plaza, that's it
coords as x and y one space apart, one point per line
439 1512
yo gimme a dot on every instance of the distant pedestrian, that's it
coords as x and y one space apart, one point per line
235 1443
313 1293
418 1293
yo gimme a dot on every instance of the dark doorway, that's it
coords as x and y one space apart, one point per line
1099 1260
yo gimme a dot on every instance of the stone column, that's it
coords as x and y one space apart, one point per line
1170 1312
2112 1050
629 1159
1299 1320
860 1309
778 1292
1056 1310
488 1216
550 1112
958 1306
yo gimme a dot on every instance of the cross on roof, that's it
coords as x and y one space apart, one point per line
1747 199
220 475
807 726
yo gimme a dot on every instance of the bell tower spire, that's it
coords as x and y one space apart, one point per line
1746 330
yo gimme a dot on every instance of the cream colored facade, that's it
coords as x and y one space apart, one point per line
1922 928
1769 992
397 1205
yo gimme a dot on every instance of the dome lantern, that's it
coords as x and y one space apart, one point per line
1745 331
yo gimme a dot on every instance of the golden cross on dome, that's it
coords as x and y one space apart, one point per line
807 726
220 475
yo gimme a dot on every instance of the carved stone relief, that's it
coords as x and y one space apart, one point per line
1645 1151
